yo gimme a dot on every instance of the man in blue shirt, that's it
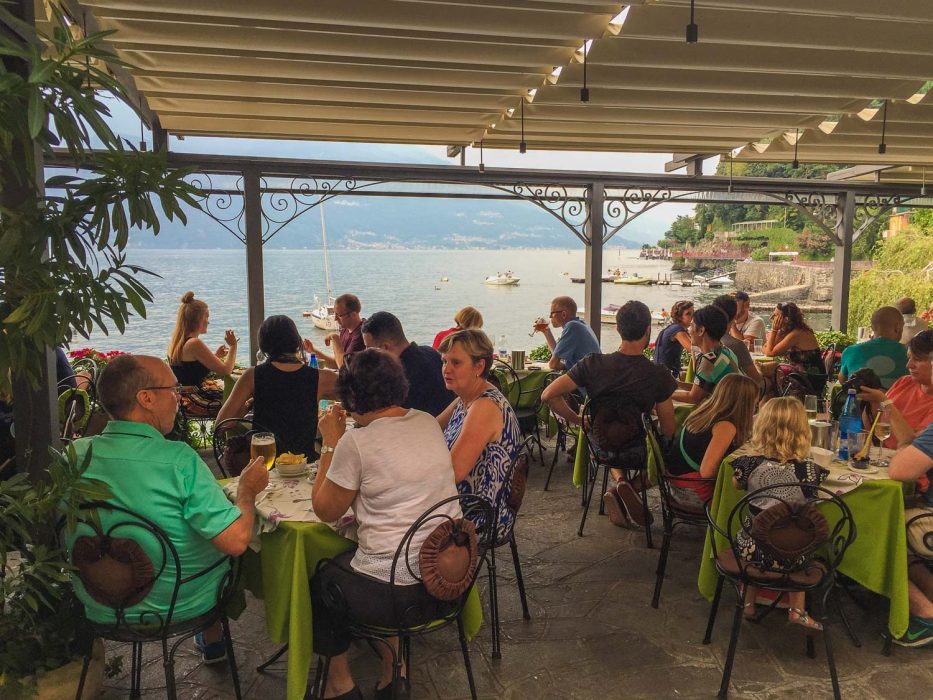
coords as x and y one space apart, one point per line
912 463
577 340
884 354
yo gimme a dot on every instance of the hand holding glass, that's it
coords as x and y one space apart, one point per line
882 432
539 326
263 445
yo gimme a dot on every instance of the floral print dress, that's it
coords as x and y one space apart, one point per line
488 476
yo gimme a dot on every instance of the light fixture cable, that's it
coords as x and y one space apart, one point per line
522 146
693 31
796 163
584 91
883 147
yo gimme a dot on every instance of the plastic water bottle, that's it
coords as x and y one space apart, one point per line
850 421
312 361
503 346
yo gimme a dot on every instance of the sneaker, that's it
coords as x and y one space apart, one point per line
634 507
210 653
919 632
615 509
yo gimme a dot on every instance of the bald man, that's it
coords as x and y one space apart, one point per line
884 353
577 339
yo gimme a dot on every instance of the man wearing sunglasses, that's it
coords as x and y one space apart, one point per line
167 483
347 309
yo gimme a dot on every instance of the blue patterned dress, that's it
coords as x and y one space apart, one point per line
488 475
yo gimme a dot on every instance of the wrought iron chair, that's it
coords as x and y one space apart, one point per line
633 452
524 402
564 431
812 572
680 505
473 508
515 483
118 527
74 410
920 547
226 429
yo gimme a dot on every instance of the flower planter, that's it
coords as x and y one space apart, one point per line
62 683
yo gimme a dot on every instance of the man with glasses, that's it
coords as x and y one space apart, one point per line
577 339
347 309
167 483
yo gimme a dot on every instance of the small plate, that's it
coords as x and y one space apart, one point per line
868 469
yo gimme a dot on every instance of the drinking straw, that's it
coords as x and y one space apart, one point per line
863 453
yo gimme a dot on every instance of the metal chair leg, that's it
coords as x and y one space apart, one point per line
644 501
136 670
494 604
518 578
602 506
538 440
272 659
662 565
466 657
845 621
84 667
831 661
733 643
587 499
231 658
169 667
713 610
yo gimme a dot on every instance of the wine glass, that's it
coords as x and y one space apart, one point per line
809 403
882 432
540 325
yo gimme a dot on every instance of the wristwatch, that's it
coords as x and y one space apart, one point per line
886 403
325 449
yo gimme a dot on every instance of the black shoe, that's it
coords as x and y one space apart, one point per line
404 690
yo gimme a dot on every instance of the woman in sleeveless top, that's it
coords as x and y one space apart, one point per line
715 428
791 336
674 338
480 426
284 390
190 359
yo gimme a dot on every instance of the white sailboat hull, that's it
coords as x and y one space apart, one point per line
501 281
321 319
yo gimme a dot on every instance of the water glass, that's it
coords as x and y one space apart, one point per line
810 405
758 345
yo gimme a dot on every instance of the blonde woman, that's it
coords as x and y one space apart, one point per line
466 318
720 425
779 454
189 357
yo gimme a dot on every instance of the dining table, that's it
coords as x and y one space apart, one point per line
877 557
283 556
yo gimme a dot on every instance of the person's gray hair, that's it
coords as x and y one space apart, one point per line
122 378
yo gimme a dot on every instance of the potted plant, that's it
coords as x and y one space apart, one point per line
39 613
63 239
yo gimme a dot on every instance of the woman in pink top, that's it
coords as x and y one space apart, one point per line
466 318
910 398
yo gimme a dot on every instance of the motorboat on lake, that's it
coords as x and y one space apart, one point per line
501 279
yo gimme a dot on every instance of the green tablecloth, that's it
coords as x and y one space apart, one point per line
582 461
877 559
280 575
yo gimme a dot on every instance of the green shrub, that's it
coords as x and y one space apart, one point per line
842 340
542 353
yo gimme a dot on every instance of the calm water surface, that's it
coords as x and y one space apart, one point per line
405 282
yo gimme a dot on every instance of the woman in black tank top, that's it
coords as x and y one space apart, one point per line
284 390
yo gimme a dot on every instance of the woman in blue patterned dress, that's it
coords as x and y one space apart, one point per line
480 426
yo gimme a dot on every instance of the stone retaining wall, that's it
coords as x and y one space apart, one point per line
775 281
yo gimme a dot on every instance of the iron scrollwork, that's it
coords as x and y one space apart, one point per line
570 210
621 210
281 206
225 206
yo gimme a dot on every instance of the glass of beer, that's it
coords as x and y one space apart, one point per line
810 405
539 326
263 445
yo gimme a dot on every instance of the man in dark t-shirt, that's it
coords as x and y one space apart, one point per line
629 375
347 308
422 364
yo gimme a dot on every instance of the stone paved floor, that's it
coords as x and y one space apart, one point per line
593 633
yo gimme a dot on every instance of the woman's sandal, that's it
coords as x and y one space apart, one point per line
803 619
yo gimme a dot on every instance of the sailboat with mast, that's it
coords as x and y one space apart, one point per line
322 315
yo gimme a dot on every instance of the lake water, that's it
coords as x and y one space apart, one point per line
405 282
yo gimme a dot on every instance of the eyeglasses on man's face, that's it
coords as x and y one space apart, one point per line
174 388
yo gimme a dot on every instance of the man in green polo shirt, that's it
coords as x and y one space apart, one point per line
168 483
884 354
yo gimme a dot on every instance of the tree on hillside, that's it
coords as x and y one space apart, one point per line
684 230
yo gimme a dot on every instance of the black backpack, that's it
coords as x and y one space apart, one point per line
864 377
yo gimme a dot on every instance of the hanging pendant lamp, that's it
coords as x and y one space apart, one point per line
482 166
584 91
522 146
883 147
796 163
693 31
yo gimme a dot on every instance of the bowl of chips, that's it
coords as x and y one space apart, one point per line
288 464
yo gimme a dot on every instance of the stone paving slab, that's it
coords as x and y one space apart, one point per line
593 632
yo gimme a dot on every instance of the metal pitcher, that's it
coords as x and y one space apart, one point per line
518 359
821 434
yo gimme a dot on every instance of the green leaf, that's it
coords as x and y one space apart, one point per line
35 113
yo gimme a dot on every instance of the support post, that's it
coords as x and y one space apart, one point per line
593 304
255 290
842 261
159 136
35 409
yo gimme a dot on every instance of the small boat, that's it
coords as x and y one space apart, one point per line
445 279
634 279
322 315
501 279
607 314
660 318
